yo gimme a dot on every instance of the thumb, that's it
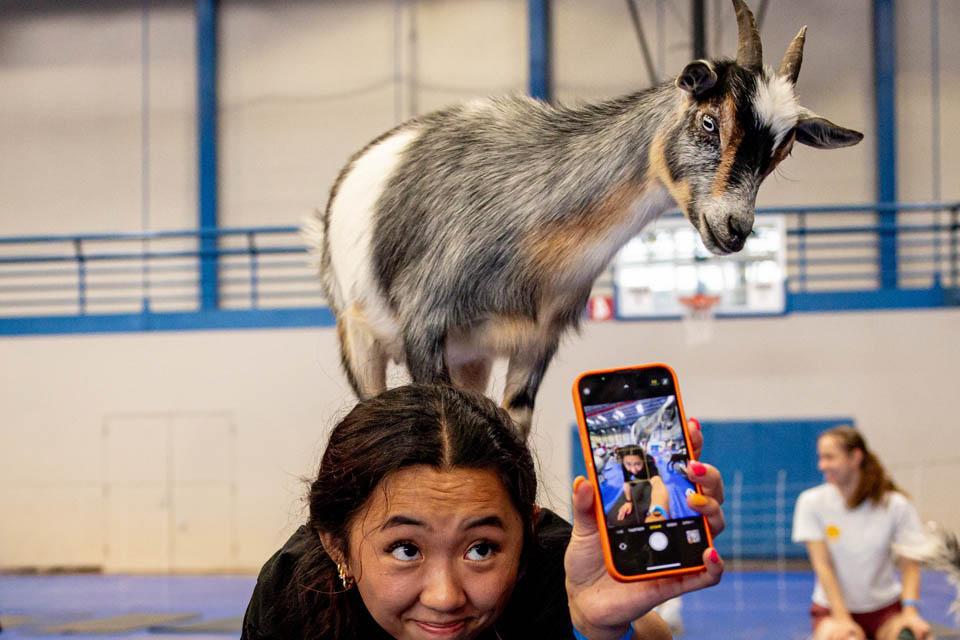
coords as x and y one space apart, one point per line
584 516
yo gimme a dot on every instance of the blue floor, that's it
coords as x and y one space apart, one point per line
746 605
753 605
59 599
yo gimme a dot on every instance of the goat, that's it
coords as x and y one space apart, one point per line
477 231
938 550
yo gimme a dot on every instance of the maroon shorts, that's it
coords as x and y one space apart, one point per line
870 621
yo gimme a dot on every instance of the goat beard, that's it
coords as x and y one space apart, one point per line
939 551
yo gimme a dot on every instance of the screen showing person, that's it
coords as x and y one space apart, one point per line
644 494
639 453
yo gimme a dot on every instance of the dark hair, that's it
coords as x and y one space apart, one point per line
875 482
432 425
632 450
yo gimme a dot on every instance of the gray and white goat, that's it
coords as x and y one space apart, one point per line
940 551
477 231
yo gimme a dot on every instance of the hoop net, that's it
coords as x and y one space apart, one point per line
698 317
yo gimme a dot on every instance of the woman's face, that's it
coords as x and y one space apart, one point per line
633 464
837 465
436 553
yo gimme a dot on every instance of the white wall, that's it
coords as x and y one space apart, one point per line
915 111
894 372
280 389
70 118
305 87
304 84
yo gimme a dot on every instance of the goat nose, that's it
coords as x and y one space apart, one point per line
740 227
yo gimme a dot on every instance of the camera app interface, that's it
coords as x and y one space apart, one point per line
639 452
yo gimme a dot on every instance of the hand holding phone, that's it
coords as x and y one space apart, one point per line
602 606
637 449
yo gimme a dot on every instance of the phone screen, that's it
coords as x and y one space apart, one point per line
638 444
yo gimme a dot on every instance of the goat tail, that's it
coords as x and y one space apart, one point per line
939 551
313 233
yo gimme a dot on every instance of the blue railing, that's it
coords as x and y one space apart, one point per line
838 256
143 281
936 232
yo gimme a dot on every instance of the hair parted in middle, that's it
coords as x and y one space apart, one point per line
437 426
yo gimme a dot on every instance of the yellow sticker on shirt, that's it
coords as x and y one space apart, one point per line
833 531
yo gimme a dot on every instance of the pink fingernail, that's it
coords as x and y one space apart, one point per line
698 469
714 556
696 424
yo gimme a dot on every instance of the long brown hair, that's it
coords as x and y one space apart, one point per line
438 426
875 482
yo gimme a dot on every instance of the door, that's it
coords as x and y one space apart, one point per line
170 487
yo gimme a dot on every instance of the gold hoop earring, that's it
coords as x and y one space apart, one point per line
346 580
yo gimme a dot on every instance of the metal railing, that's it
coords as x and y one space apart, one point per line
91 274
841 247
830 250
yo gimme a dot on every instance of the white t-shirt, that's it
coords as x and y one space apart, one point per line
859 541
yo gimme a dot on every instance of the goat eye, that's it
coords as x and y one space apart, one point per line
709 125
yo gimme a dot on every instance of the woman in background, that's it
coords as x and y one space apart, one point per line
850 524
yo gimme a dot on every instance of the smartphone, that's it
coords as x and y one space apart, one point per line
636 445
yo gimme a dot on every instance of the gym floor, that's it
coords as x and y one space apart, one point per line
745 606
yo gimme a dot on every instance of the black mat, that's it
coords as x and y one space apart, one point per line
220 625
12 622
941 632
119 624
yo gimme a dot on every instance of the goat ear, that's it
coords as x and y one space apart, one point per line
814 131
697 77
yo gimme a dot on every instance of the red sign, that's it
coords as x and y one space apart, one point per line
600 308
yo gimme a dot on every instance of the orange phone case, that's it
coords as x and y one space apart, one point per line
592 472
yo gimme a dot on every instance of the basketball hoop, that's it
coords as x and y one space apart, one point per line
698 317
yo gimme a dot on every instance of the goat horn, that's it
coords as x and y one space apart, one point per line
790 65
749 48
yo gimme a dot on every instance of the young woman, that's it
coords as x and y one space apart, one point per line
423 524
850 524
645 496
